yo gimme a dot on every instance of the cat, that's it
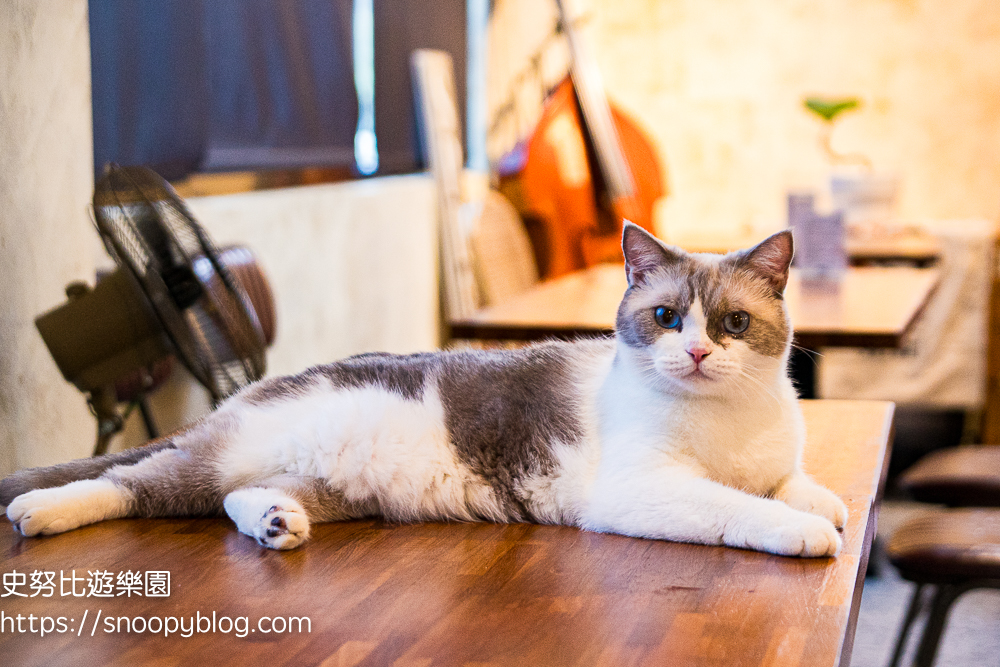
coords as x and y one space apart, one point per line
684 426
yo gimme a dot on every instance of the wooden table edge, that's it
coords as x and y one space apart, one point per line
515 331
871 527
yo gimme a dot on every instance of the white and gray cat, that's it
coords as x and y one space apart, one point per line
683 427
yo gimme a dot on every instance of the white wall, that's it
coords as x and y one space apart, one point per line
353 268
45 232
353 265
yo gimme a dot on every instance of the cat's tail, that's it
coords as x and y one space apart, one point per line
64 473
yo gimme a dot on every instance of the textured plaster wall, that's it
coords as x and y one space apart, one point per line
718 85
45 234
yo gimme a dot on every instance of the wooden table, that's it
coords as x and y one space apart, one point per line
871 307
461 594
916 247
886 243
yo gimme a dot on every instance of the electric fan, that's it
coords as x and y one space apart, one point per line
173 295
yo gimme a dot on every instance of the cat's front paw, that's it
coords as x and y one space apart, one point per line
803 494
62 508
800 534
40 512
282 528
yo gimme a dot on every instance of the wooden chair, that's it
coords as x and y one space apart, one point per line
950 551
967 476
953 551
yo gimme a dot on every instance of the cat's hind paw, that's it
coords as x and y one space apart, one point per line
39 512
282 529
62 508
270 516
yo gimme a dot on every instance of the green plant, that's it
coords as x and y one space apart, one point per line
828 109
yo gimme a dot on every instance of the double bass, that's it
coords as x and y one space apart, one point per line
586 167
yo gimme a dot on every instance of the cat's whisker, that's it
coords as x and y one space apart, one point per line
746 374
810 352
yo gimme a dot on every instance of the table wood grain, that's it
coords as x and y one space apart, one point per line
472 594
869 307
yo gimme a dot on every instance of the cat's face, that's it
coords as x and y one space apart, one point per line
706 324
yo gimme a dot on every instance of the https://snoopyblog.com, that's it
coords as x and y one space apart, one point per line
106 584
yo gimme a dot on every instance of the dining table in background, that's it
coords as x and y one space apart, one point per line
892 243
867 307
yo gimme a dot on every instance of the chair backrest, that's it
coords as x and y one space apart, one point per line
502 255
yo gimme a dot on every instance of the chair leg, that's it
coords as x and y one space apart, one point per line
940 606
911 614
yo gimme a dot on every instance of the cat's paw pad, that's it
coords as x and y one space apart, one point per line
39 512
282 528
807 535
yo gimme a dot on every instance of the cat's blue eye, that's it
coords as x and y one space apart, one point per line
736 322
667 318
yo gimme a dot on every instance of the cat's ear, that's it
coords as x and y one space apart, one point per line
771 259
645 253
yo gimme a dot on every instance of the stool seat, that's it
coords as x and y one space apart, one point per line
967 476
948 546
951 551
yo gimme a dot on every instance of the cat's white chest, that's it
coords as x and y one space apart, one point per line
744 445
742 449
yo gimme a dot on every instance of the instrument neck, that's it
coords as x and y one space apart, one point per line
597 118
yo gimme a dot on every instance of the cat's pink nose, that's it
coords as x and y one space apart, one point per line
698 353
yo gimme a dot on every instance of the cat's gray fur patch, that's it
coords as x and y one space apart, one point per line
503 411
637 328
71 471
181 481
321 501
399 374
498 405
175 482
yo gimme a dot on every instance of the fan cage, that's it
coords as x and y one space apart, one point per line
147 228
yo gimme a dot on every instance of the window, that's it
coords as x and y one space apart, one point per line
221 85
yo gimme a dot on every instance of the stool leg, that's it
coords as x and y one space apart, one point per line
911 614
940 607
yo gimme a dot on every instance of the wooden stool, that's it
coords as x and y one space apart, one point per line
958 477
951 551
